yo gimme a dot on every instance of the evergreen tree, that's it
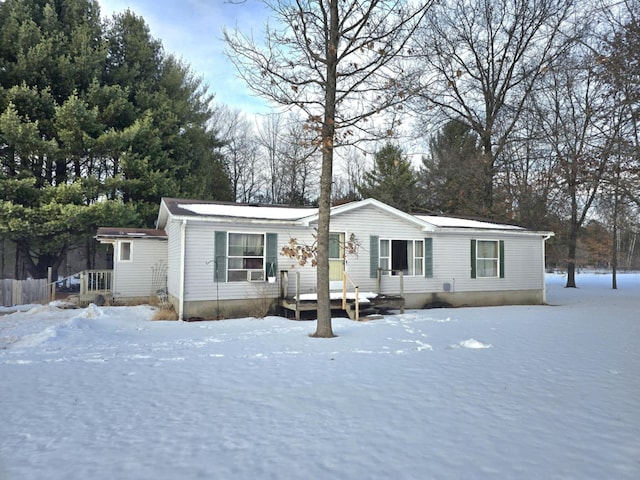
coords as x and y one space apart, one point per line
96 125
453 176
392 180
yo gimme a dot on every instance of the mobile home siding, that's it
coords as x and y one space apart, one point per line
174 249
199 262
145 272
453 265
362 223
201 250
447 259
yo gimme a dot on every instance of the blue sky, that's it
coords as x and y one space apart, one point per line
192 31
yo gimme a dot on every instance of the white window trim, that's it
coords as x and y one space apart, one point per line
496 259
120 244
411 264
249 270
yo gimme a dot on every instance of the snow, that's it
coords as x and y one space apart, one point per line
485 393
264 212
363 297
452 222
268 212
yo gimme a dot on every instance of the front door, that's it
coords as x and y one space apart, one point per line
336 259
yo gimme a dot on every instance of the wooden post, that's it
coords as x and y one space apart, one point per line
357 306
297 295
402 290
344 290
52 286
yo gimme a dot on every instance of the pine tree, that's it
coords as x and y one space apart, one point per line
96 125
392 180
453 176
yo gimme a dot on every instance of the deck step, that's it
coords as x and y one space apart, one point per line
372 306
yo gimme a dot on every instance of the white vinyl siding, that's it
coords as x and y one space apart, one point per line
445 257
202 259
145 272
173 258
370 223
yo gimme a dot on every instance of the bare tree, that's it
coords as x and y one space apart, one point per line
528 180
240 151
576 127
270 138
300 163
336 60
350 174
483 59
619 68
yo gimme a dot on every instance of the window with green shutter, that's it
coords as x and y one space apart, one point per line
245 257
272 254
398 256
220 263
428 257
487 258
373 256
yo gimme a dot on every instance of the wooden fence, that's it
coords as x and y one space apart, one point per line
21 292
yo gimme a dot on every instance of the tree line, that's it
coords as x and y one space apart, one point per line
527 113
528 110
97 123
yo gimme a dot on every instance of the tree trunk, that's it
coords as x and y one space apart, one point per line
323 327
614 250
571 261
487 176
41 268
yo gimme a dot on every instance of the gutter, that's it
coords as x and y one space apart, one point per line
243 220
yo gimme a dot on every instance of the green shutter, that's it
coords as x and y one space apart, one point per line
374 254
272 255
428 257
220 264
473 258
501 258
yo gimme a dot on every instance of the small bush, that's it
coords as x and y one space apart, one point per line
165 314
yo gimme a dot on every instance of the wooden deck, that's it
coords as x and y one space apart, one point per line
370 306
355 304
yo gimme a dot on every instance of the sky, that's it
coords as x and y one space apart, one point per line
510 393
192 31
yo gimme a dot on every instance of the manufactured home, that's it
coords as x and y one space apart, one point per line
212 259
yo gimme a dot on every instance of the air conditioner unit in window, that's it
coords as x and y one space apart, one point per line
255 275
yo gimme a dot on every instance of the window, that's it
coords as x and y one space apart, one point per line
402 255
246 257
125 252
336 246
487 259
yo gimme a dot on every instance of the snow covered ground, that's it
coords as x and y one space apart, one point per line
530 392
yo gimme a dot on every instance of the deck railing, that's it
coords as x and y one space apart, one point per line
96 282
391 274
346 281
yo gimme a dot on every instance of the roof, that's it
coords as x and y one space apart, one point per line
118 232
259 213
453 222
227 211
